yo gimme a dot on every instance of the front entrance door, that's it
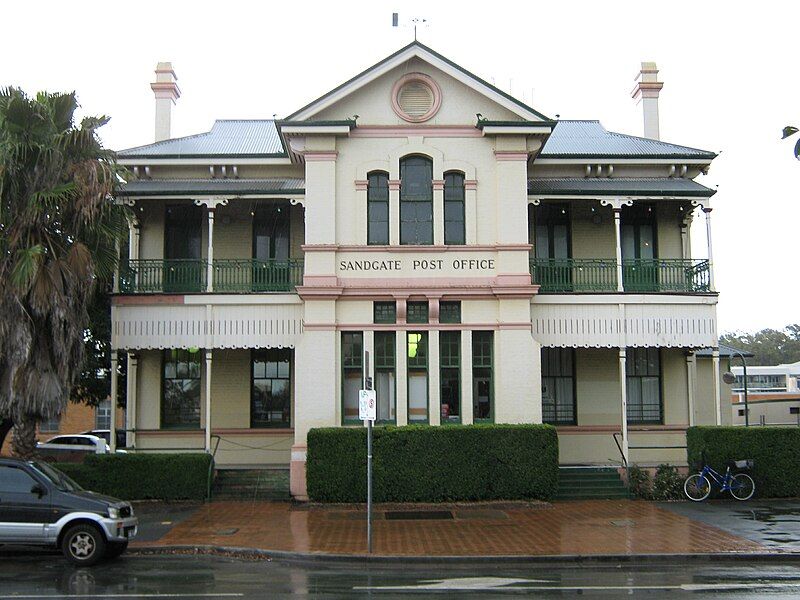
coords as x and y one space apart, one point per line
639 264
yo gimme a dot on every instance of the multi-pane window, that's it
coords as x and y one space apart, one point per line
417 312
551 231
180 401
450 375
482 385
417 346
102 415
352 372
271 231
416 200
384 312
385 375
454 228
271 392
50 425
450 311
378 208
558 386
643 368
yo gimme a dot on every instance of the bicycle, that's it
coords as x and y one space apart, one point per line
741 486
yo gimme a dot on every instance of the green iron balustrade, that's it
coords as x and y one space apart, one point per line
162 275
666 275
565 275
574 274
251 275
229 275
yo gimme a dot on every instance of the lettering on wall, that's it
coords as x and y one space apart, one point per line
417 265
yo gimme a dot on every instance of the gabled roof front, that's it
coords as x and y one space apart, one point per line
419 50
240 138
589 139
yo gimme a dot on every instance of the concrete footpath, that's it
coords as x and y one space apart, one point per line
590 528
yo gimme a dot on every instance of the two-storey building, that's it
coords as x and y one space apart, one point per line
498 266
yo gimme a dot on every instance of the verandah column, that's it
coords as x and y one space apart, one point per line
210 252
208 401
690 364
707 210
623 384
112 442
715 379
616 205
131 400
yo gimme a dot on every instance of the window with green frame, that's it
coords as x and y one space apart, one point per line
271 391
450 311
450 376
416 200
417 346
558 386
417 312
378 208
482 371
643 370
385 376
180 389
454 228
352 373
384 312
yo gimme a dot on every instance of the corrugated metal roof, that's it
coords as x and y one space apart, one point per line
589 139
724 351
627 186
181 187
238 138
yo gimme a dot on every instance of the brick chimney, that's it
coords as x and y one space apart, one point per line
166 92
646 91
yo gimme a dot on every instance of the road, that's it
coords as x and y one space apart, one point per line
152 577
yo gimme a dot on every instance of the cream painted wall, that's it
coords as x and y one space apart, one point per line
590 240
148 410
230 389
597 385
372 102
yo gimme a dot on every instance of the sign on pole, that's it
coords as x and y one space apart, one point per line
367 405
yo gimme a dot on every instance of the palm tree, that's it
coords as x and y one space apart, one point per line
59 235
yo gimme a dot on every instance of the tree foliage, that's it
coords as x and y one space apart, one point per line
770 346
59 231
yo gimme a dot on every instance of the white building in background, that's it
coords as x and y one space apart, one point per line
773 394
498 265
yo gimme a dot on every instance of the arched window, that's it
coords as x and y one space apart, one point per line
454 229
378 208
416 200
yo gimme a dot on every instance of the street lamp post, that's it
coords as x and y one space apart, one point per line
744 377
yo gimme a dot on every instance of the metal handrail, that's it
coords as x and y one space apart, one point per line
619 447
211 468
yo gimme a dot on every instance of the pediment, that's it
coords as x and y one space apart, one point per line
417 85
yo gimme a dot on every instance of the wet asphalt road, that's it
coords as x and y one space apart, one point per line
772 523
212 577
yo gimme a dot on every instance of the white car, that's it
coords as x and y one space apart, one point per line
75 443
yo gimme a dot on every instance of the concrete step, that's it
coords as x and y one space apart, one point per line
590 482
251 484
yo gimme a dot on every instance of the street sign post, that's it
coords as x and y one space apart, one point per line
367 411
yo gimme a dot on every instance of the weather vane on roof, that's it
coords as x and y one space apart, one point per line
412 22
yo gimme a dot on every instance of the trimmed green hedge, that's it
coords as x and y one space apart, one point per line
143 476
421 463
774 450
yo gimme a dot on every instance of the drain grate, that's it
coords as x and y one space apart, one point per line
418 515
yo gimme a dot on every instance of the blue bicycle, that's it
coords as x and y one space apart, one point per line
741 485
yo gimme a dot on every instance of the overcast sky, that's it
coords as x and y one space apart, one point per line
730 71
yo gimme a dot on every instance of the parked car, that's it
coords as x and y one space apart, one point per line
78 442
106 435
40 505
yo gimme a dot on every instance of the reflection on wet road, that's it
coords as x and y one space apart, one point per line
47 576
772 523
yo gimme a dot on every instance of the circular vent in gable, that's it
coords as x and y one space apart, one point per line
416 97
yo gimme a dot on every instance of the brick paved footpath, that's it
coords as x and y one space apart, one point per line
592 527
